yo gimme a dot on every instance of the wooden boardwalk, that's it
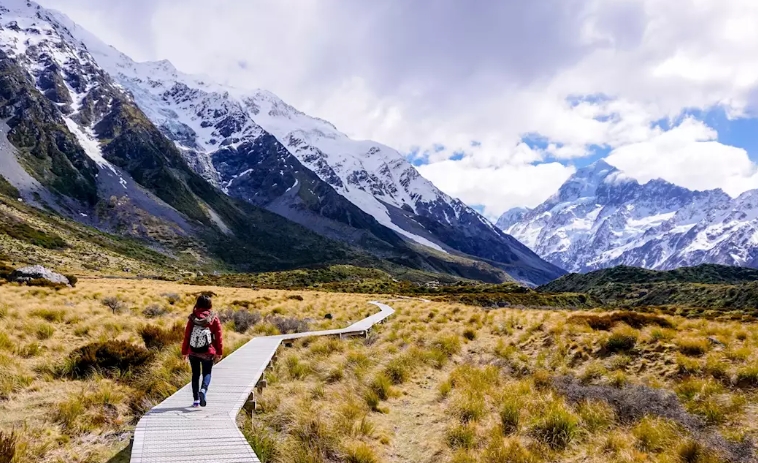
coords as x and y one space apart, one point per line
174 432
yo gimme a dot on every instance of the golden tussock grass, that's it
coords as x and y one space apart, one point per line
54 417
445 382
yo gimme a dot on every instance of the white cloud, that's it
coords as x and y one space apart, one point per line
690 156
416 74
498 189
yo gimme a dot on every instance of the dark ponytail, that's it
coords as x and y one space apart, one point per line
204 302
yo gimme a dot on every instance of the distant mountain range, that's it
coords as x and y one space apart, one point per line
144 150
601 218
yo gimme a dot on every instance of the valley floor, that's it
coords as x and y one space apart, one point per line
439 382
58 416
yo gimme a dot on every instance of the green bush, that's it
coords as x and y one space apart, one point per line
109 357
510 416
27 234
462 436
156 338
43 283
381 386
607 321
398 370
72 280
620 342
747 377
360 453
557 427
262 443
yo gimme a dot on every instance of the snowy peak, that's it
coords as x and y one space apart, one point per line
601 218
255 147
511 217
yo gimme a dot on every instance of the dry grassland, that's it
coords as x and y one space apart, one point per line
61 413
451 383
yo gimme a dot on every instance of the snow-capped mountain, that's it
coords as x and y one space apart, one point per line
108 129
215 126
600 218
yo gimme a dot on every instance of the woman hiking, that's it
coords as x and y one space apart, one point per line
203 345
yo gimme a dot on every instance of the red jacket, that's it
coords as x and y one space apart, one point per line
217 347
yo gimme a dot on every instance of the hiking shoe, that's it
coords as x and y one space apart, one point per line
195 404
202 398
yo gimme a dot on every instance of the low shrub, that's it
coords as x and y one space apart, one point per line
654 434
620 342
262 443
72 280
156 338
694 347
43 283
469 333
381 386
289 325
461 436
51 315
44 331
109 357
172 298
359 452
630 403
295 297
510 415
7 446
241 319
607 321
557 427
155 311
398 370
747 377
115 304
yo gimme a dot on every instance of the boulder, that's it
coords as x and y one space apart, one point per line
37 272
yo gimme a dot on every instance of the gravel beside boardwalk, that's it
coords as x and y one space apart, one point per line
174 432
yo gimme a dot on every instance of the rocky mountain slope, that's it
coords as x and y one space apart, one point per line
74 142
145 150
599 218
256 147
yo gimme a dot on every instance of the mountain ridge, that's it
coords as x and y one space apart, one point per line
213 125
601 218
113 159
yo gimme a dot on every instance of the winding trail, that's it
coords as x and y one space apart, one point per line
173 432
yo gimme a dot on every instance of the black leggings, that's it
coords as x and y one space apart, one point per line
207 365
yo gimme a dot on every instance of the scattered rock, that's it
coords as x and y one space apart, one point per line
715 341
38 272
328 316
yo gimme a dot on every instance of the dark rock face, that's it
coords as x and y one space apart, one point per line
48 150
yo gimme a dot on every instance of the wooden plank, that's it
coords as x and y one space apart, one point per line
174 432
